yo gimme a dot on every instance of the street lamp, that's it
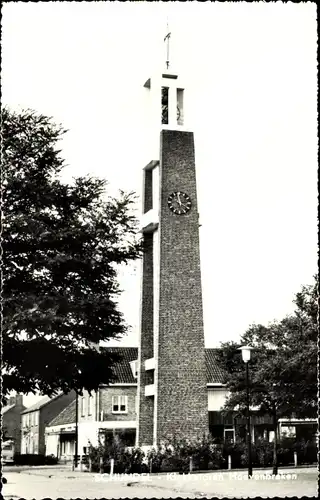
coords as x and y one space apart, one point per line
246 355
76 440
77 422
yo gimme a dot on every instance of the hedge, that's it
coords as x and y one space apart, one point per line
175 456
34 459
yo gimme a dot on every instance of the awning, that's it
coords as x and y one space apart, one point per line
66 432
217 418
255 420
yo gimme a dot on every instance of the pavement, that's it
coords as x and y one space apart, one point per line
61 482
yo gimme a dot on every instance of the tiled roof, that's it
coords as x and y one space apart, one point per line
124 375
45 400
6 408
214 370
122 369
67 416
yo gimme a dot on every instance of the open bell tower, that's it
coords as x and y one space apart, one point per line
172 392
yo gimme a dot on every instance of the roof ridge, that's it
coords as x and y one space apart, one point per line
38 405
62 413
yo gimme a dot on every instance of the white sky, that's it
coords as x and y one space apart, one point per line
252 80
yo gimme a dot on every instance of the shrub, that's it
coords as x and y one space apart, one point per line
263 452
125 460
34 459
50 460
285 451
175 455
306 451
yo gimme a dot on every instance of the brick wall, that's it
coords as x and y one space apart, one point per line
105 405
48 412
11 425
146 341
182 394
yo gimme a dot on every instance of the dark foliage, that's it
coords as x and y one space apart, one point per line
34 459
62 245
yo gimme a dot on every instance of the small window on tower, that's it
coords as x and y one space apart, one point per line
180 106
165 105
148 191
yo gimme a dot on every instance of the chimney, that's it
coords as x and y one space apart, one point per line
19 399
16 400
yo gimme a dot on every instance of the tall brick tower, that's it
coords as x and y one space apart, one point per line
172 393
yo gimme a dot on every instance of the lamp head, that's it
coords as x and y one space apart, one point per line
246 353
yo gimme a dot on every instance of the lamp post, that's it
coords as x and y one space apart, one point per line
76 442
246 354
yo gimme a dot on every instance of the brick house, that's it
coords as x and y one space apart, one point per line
35 419
11 420
111 410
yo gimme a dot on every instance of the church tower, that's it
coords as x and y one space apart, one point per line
172 392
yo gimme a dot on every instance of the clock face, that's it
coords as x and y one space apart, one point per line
179 203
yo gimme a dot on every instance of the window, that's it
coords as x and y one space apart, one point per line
180 106
127 436
7 446
90 405
148 191
164 105
83 406
119 404
229 434
32 419
36 418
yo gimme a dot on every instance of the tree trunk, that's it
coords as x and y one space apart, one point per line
275 444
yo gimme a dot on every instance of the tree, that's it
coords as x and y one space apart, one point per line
62 245
283 369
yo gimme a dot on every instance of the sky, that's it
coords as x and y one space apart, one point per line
251 77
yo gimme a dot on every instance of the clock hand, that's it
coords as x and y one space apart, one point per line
183 206
179 201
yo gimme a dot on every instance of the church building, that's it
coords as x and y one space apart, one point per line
171 386
172 390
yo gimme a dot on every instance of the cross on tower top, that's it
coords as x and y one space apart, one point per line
167 38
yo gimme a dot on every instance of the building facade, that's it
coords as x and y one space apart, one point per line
11 420
112 410
35 419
